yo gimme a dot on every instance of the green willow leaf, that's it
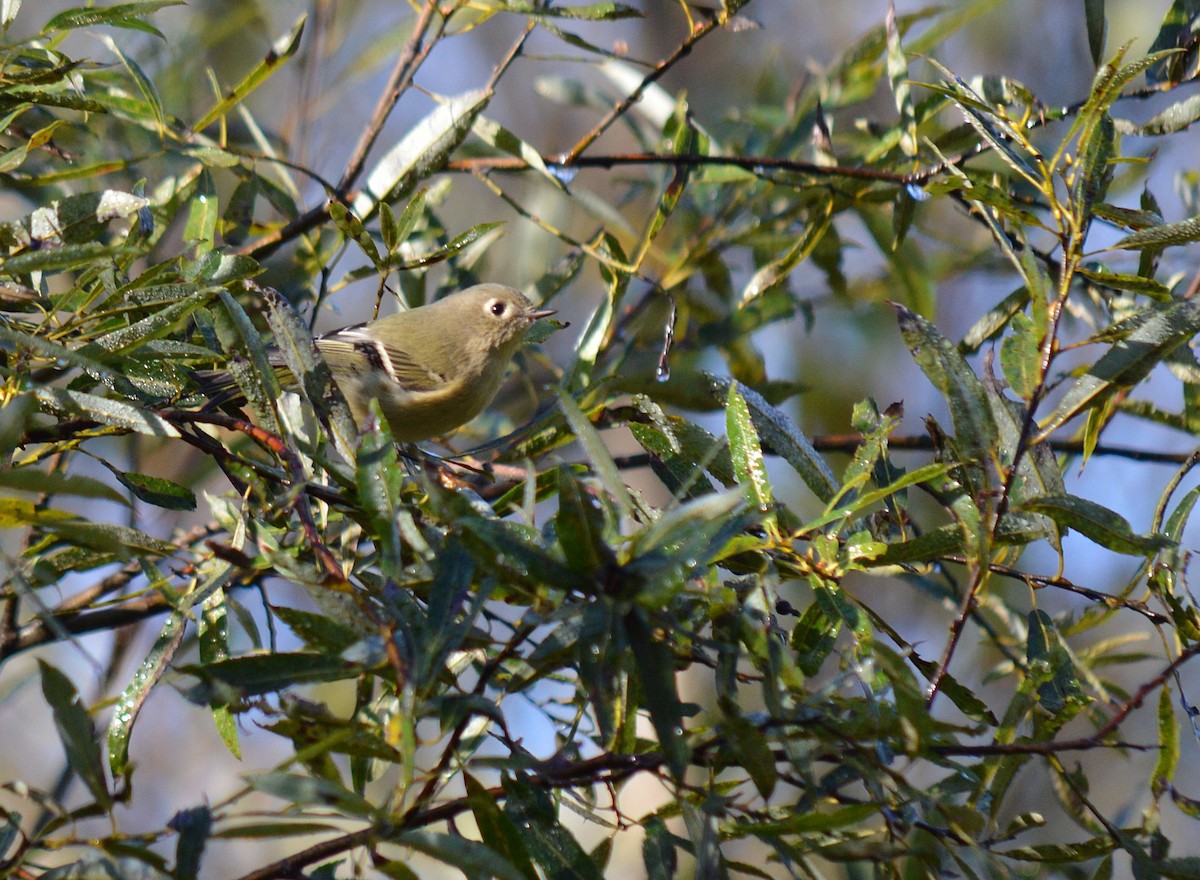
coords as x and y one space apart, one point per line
1160 330
550 845
939 360
473 858
656 671
285 47
130 703
1098 523
1166 235
76 732
79 404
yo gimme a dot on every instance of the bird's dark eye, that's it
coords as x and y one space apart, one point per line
497 308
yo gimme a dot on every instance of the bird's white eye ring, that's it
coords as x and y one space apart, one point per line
496 307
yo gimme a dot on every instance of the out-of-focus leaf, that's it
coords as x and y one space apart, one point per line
776 271
579 524
281 51
752 750
378 475
76 732
658 850
1097 29
308 790
124 15
1177 31
898 78
266 673
422 151
497 830
122 540
194 827
496 135
813 638
587 11
100 866
29 479
597 453
507 547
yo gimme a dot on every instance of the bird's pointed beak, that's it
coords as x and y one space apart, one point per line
534 314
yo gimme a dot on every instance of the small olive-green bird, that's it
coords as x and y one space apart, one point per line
431 368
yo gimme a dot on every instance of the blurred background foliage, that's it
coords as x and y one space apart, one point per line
843 531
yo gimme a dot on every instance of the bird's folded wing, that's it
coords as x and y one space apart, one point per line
353 351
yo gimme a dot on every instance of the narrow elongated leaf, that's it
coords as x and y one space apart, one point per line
606 11
1097 29
158 491
745 450
283 49
597 453
496 135
308 790
656 671
1161 331
31 479
1177 31
471 857
422 151
194 828
266 673
76 732
1166 235
783 437
658 850
939 360
79 404
550 845
295 345
1168 743
126 710
753 752
1104 526
497 830
579 524
118 15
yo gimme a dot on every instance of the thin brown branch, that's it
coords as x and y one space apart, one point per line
411 56
619 109
757 164
416 49
1061 583
329 564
